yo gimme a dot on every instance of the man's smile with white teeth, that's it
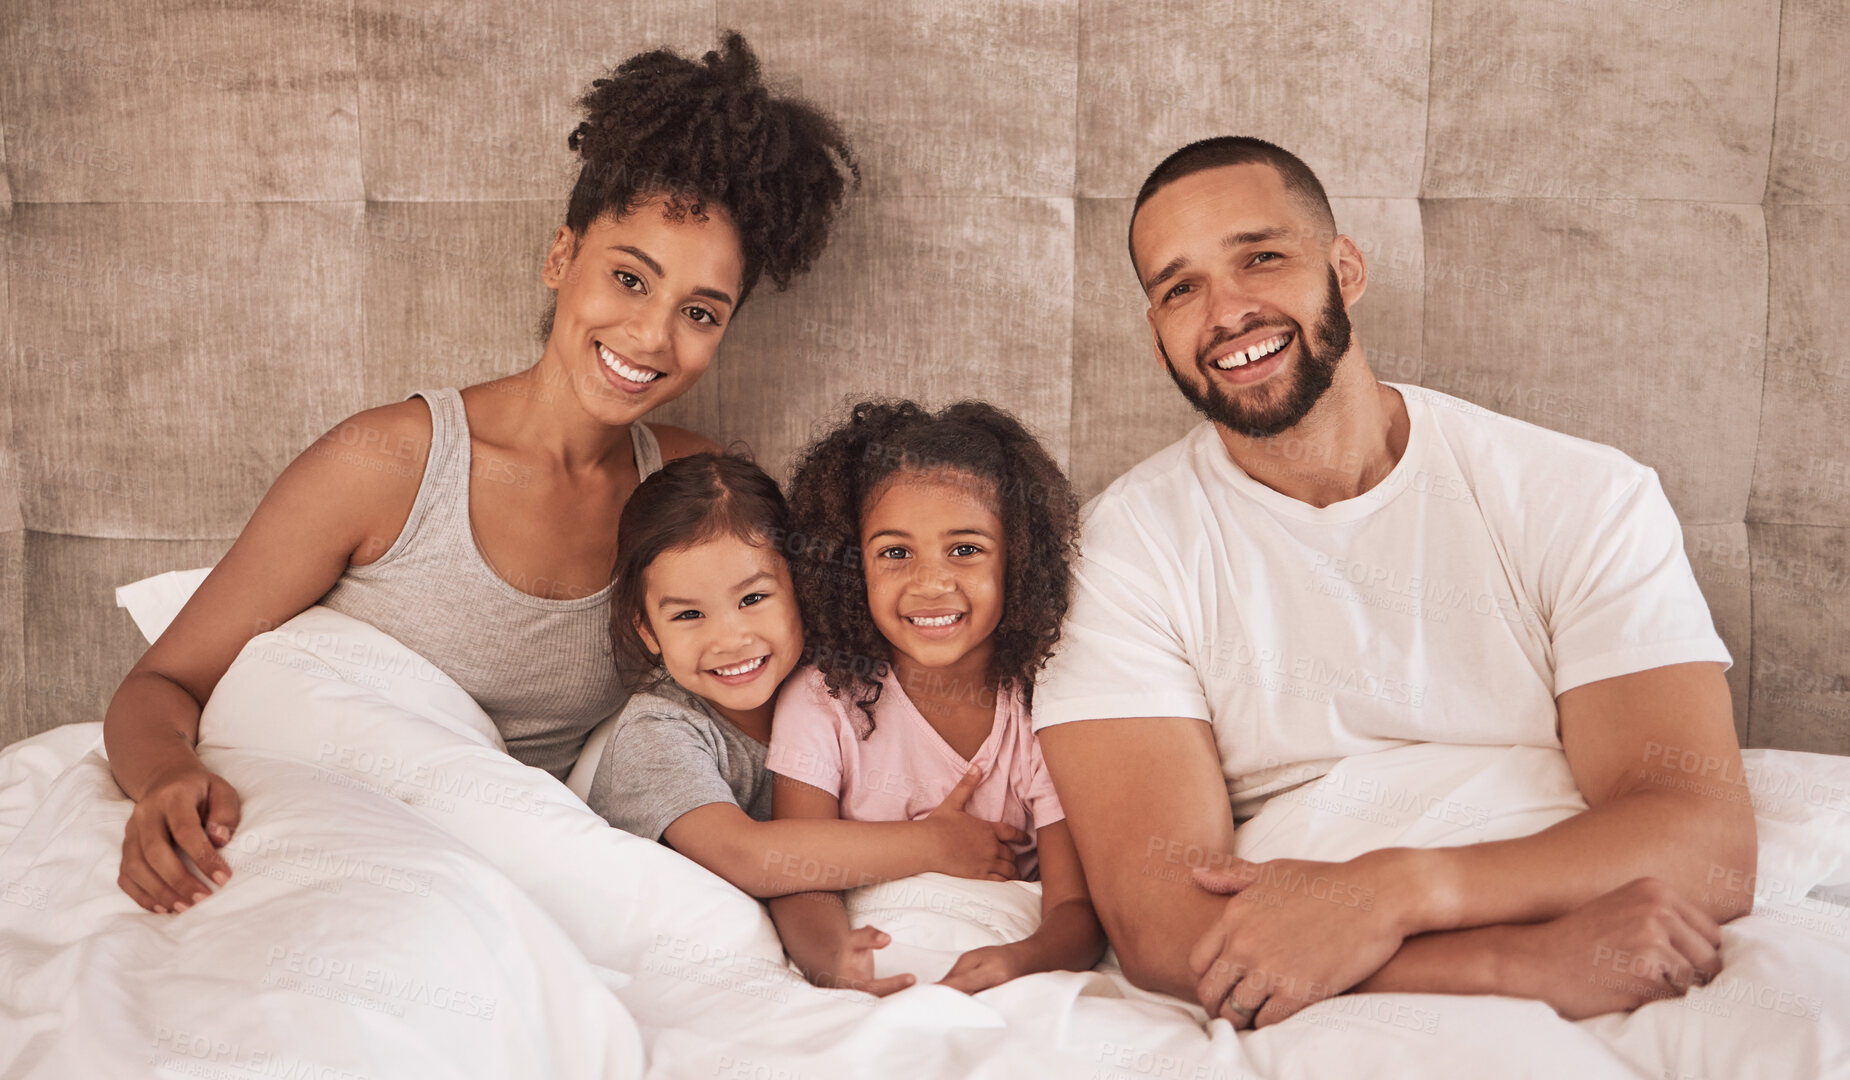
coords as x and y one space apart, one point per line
1243 357
935 620
627 371
742 667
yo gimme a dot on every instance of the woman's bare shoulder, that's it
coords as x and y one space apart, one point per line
678 442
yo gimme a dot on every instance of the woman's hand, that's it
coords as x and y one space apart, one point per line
853 965
970 847
980 969
190 810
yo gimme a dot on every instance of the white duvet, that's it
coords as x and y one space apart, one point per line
408 901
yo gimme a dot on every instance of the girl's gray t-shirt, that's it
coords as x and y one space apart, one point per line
672 752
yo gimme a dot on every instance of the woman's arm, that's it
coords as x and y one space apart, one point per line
807 851
1069 937
342 500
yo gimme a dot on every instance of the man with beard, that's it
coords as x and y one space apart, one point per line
1332 566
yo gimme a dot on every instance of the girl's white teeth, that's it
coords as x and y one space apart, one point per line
1246 356
633 374
936 620
740 669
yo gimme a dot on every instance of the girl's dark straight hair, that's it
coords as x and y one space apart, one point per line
689 501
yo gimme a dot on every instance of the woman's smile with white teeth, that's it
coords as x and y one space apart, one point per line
627 371
743 667
1243 357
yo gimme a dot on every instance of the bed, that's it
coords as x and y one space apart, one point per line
409 901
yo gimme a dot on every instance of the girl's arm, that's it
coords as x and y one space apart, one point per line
814 925
1069 938
803 852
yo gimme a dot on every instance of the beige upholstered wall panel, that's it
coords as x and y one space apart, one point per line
1600 319
81 645
227 226
175 356
472 99
933 298
178 100
1665 100
942 97
1802 472
1309 74
1811 138
1801 677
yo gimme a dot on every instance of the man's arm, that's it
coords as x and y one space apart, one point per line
1654 754
1145 801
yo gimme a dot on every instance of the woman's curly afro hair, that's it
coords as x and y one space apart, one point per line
839 475
709 131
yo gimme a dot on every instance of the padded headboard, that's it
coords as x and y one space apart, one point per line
227 228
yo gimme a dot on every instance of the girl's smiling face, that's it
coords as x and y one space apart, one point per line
643 301
933 556
723 617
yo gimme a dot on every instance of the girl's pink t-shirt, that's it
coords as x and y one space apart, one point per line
904 768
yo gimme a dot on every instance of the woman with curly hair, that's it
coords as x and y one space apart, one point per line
479 526
932 557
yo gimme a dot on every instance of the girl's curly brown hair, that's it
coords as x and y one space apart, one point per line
835 481
710 132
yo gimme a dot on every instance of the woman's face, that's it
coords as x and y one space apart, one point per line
723 616
643 301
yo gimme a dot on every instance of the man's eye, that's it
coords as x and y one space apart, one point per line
627 279
751 598
1267 256
1175 292
690 613
966 550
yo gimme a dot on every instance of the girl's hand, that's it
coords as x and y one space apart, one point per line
980 969
853 967
191 810
970 847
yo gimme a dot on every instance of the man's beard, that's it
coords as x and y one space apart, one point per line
1279 411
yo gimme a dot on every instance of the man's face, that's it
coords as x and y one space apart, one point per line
1246 308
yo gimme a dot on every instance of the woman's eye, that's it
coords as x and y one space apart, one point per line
751 598
700 314
965 551
679 616
627 279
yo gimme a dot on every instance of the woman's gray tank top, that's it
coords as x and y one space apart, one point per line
542 669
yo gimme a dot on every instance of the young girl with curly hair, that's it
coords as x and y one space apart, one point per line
477 526
706 622
933 563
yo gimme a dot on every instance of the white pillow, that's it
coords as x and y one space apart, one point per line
153 602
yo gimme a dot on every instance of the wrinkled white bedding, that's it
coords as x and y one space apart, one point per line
410 902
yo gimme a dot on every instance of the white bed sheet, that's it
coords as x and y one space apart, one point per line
409 901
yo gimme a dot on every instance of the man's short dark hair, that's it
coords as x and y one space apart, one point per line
1300 182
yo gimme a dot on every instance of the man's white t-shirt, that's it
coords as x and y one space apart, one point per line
1497 566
